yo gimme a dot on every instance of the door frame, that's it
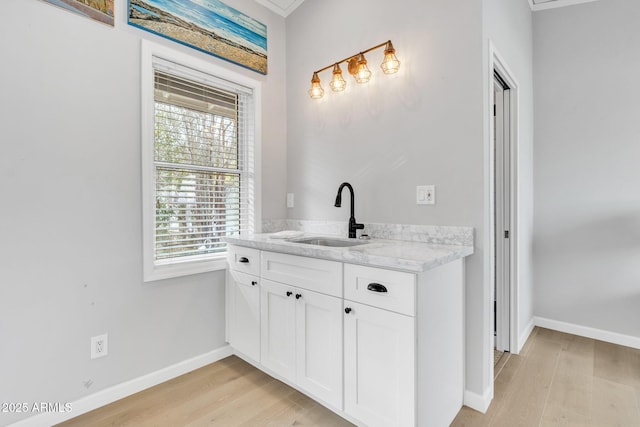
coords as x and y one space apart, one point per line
498 65
502 209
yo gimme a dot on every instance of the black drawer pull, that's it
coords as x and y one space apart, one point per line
298 296
347 310
376 287
253 283
289 293
243 260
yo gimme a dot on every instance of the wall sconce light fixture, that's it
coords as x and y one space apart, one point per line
357 67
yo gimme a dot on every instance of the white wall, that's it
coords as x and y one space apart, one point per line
70 207
587 186
423 126
508 31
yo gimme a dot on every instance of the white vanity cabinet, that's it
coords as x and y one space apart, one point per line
319 346
243 301
301 327
302 339
243 305
403 351
278 329
380 347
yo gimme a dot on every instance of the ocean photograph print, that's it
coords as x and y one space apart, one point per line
207 25
100 10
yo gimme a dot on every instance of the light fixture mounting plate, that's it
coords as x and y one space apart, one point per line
353 65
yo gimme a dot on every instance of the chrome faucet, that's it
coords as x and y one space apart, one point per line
353 225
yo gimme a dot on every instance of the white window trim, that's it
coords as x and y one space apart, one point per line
152 270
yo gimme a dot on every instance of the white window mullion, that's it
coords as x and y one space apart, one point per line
246 156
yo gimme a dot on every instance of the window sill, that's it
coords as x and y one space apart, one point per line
155 272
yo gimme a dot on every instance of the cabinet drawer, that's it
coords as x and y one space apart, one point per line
387 289
245 260
309 273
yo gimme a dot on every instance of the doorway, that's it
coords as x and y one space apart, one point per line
503 194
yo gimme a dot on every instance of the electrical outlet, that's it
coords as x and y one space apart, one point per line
430 194
426 195
290 200
99 346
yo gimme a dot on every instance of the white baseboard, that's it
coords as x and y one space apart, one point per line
522 339
117 392
478 402
585 331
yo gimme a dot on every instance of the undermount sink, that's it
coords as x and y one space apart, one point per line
326 241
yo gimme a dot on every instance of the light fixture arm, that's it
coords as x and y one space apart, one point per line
347 59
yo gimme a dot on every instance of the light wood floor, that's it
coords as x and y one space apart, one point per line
557 380
564 380
226 393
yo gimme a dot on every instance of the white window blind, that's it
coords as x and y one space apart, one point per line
203 162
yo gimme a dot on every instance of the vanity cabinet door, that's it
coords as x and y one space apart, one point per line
243 313
379 366
278 328
319 345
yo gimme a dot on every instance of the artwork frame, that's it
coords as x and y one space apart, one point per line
210 26
98 10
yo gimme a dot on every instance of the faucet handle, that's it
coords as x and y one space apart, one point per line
353 232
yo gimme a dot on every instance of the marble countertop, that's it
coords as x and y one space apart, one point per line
401 255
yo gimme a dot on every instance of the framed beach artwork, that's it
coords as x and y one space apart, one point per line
207 25
100 10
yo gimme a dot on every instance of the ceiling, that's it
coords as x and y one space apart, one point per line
549 4
285 7
281 7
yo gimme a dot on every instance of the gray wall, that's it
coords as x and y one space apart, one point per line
587 174
424 126
70 210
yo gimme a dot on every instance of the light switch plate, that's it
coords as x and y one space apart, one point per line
426 195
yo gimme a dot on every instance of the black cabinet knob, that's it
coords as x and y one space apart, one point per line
253 283
298 296
289 293
347 310
243 260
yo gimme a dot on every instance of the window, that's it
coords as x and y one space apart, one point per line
199 131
